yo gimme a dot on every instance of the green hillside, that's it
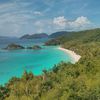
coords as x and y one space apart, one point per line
82 36
66 81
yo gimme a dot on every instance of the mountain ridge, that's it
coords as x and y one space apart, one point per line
34 36
44 35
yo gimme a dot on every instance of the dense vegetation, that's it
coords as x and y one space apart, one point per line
66 81
81 36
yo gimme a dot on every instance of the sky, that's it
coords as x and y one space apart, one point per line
19 17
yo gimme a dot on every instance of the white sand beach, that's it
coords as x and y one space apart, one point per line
75 57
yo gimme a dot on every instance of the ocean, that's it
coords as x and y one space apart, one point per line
15 62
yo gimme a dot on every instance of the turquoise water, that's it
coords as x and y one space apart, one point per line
13 63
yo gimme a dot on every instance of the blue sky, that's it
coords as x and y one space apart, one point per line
18 17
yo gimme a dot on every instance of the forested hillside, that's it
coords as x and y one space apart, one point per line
81 36
66 81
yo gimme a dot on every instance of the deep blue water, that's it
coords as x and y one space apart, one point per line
13 63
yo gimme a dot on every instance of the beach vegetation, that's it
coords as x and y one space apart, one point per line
66 81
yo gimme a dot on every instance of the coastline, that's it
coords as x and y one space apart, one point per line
75 57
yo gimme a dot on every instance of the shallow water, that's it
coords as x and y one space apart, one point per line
13 63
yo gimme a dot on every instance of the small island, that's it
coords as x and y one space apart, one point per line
35 47
14 46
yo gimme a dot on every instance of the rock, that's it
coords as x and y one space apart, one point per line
13 47
35 47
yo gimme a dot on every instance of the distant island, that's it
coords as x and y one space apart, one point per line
14 46
34 36
44 35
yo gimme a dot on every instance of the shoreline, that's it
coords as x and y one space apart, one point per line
75 57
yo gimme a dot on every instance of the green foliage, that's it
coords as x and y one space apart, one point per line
81 36
66 81
4 92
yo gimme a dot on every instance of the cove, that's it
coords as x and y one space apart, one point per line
14 63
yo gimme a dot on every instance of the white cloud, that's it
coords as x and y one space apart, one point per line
80 22
14 17
39 24
60 21
63 23
43 25
38 13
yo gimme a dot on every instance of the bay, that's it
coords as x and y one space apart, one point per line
15 62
